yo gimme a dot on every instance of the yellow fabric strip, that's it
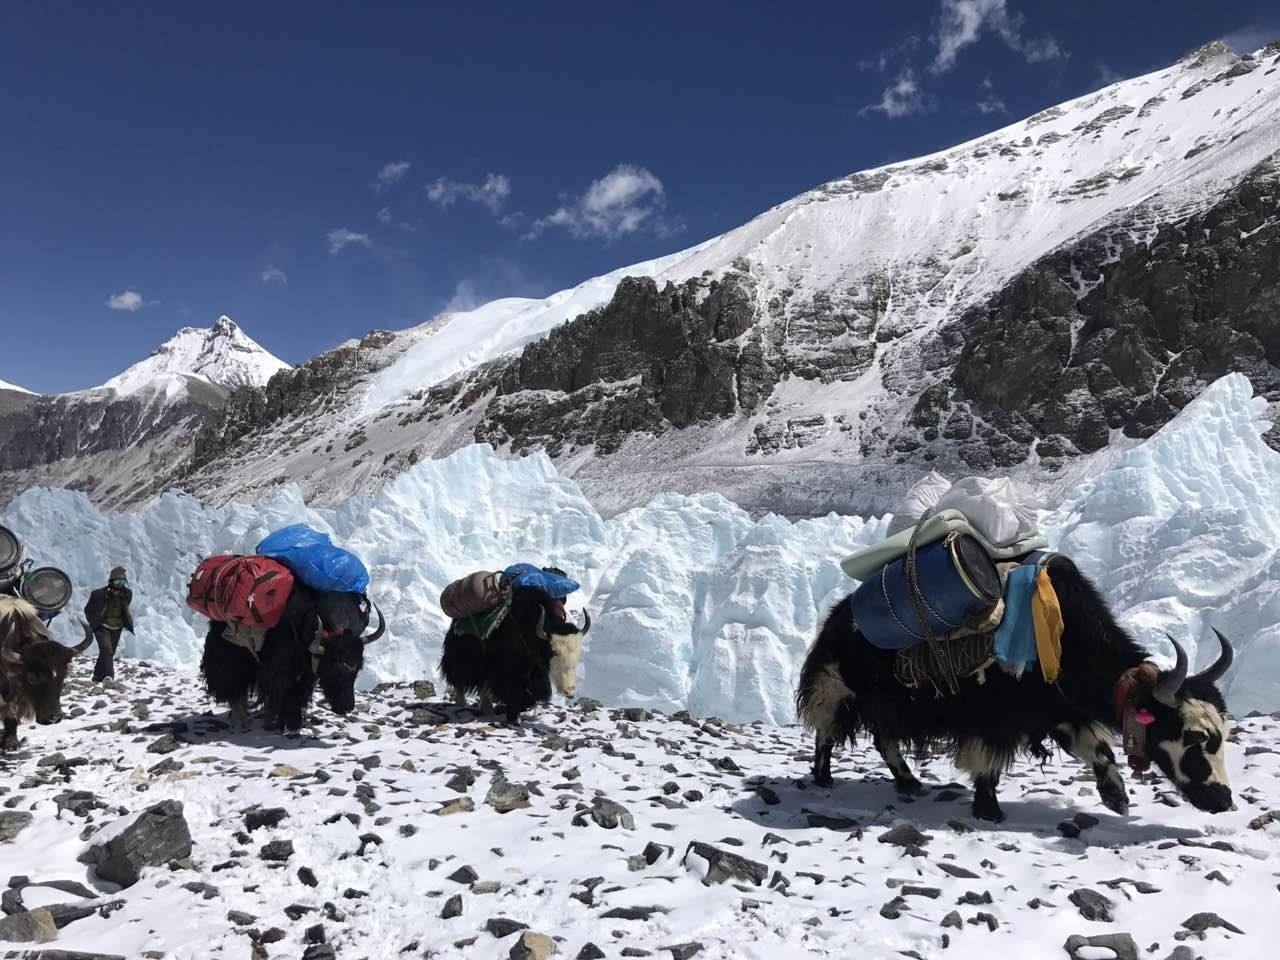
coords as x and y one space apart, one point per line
1047 617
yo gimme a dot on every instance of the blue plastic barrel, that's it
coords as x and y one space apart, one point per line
958 583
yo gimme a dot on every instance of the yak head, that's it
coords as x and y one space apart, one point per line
1187 738
33 663
565 641
336 659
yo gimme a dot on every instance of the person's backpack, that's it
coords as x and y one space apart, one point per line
250 591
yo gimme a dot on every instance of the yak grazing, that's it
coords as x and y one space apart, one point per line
33 668
848 686
319 640
532 647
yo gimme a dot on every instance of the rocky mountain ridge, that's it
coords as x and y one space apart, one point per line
1018 304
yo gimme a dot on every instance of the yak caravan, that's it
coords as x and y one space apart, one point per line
894 572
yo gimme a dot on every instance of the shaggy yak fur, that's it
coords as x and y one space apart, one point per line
516 665
317 641
33 667
847 687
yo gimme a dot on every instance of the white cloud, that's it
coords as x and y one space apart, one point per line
885 58
625 200
492 193
340 238
384 215
274 275
962 22
1251 38
130 300
391 174
901 98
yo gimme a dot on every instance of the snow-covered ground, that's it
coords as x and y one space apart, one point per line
381 836
695 605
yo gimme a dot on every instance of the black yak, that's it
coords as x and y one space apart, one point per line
33 668
847 686
532 648
319 640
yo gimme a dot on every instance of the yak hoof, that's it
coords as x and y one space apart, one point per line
824 781
988 810
909 788
239 717
9 743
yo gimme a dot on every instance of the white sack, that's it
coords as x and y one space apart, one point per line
921 498
999 508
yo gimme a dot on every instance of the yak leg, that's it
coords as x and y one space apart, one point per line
1084 742
903 779
985 765
240 714
486 701
458 695
10 738
822 748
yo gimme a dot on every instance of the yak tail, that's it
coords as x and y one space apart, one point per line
824 702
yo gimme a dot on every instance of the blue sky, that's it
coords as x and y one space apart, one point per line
316 170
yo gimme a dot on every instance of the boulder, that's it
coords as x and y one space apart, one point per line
154 837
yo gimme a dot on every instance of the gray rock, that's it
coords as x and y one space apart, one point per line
505 797
165 744
269 817
1121 944
1199 922
501 927
158 835
79 802
723 865
1093 905
532 946
32 926
12 823
610 814
452 907
683 951
904 835
590 951
631 913
962 873
276 851
464 875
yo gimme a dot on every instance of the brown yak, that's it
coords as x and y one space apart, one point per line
33 667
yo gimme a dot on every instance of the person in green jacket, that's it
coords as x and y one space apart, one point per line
108 614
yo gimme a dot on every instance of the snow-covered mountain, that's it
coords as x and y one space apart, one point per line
127 439
1028 303
13 387
222 354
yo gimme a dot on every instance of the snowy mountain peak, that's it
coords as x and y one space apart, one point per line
222 354
6 385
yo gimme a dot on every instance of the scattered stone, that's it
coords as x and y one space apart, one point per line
164 744
590 951
505 797
904 835
1200 922
962 873
1120 944
482 887
771 798
308 877
893 909
452 907
79 802
207 891
823 822
463 805
723 865
953 919
158 835
270 817
683 951
30 926
501 927
608 814
464 875
240 918
653 852
532 946
12 823
276 851
1093 905
631 913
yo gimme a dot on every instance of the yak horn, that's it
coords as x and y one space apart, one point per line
1222 664
83 645
1166 689
317 643
382 626
540 628
10 655
586 623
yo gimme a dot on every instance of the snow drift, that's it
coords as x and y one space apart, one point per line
695 604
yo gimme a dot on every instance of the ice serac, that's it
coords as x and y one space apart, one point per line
695 604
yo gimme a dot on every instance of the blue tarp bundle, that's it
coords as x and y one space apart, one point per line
314 559
528 576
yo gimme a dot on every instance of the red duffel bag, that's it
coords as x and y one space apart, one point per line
251 591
